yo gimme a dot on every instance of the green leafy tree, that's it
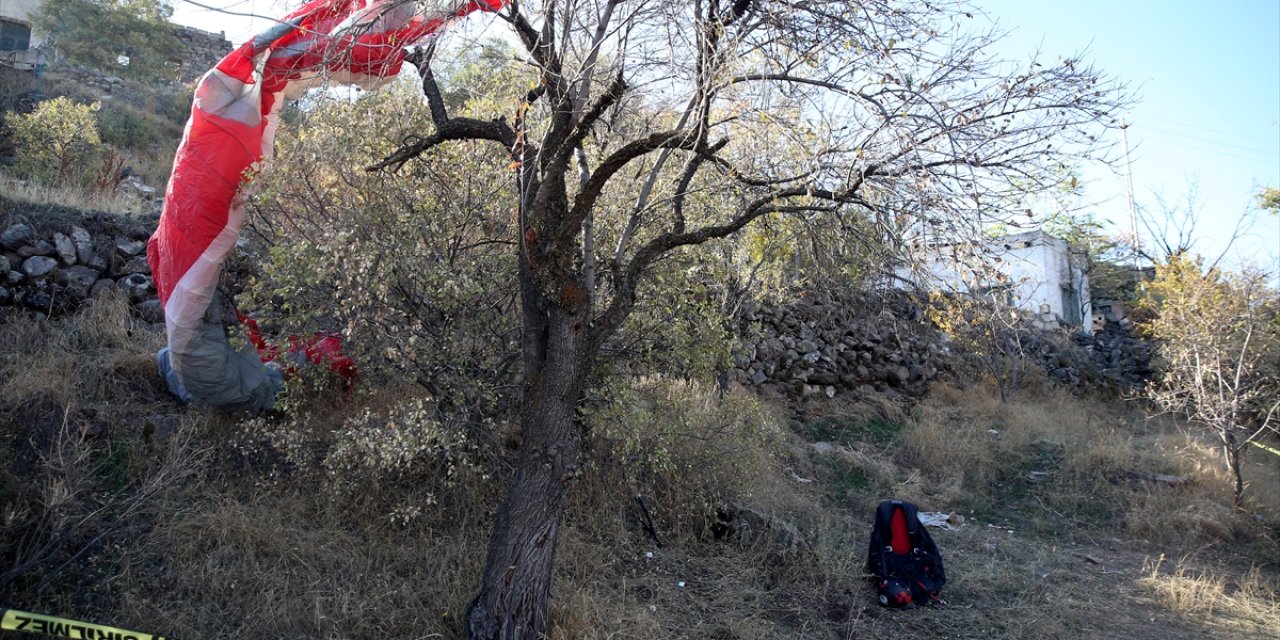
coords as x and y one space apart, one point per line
1219 333
651 131
131 37
1269 200
58 143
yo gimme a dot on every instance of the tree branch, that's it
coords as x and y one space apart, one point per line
421 58
586 200
453 129
626 279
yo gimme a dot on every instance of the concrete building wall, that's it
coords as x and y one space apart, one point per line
1042 278
21 11
1046 279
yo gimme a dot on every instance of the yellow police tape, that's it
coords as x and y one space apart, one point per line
1264 447
12 620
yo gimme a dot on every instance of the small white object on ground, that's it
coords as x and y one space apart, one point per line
941 520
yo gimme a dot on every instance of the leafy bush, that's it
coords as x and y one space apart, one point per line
683 445
393 455
415 268
1218 335
58 143
123 126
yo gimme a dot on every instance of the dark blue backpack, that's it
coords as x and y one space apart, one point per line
903 557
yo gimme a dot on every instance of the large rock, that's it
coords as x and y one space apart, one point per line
37 266
101 288
16 236
37 248
65 247
38 298
134 185
129 247
78 280
136 264
83 242
137 286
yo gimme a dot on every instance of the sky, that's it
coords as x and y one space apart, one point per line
1206 75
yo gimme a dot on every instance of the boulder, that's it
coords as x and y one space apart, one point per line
78 280
137 286
136 264
38 266
129 247
83 243
37 248
16 236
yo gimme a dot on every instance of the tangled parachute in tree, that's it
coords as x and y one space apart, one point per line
232 126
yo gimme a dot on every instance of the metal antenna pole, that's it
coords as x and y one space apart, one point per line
1133 210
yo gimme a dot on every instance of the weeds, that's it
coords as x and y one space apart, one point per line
79 478
90 199
365 516
1246 601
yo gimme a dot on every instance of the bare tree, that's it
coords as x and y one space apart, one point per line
654 127
1219 334
1172 232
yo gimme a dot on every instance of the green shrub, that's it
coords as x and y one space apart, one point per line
682 444
416 268
122 126
58 143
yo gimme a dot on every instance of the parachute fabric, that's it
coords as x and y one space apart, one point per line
232 126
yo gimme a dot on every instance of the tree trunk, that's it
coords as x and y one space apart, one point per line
513 601
1234 453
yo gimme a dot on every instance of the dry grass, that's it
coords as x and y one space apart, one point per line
88 200
100 355
269 566
1246 603
110 201
223 530
83 475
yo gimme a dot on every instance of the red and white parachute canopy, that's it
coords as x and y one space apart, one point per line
232 125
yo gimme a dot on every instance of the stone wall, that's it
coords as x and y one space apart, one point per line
816 344
201 50
52 259
824 343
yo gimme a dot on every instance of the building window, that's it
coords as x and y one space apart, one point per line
14 36
1072 310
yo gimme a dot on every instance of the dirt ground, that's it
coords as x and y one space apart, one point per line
1102 589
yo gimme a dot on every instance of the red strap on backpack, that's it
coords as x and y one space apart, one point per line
901 542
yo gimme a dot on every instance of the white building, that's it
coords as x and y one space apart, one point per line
20 40
1038 274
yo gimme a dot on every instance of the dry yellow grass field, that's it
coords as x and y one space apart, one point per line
118 506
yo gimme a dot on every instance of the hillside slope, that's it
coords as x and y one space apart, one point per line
361 518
